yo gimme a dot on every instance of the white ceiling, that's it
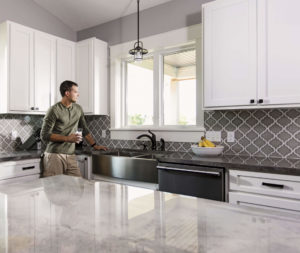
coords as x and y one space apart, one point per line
81 14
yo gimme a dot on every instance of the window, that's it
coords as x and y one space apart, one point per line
180 88
139 92
161 90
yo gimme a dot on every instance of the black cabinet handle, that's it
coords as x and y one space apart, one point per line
280 186
260 101
36 108
28 168
252 101
31 108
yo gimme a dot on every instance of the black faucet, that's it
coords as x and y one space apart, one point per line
152 139
162 144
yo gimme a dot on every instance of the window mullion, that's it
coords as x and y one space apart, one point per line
161 89
124 95
156 90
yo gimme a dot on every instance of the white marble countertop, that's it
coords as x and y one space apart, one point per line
67 214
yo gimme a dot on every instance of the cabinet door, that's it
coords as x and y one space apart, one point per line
229 53
279 51
20 68
44 66
65 63
84 74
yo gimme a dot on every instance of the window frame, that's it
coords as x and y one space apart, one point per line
158 90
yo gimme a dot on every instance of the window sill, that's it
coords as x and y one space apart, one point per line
190 134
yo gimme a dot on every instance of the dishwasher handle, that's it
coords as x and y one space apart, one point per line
212 173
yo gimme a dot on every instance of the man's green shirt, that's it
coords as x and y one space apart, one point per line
64 121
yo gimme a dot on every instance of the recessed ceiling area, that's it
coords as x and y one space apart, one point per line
81 14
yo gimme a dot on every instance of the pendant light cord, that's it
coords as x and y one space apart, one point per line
138 21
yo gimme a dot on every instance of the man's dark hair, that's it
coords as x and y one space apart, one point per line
66 86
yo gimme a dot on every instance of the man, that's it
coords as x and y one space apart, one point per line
59 131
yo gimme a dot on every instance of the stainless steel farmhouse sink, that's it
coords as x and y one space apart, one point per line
129 165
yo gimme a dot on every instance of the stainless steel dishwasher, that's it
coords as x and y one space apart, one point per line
198 181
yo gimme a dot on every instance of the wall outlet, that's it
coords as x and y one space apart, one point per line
14 135
230 137
103 133
213 136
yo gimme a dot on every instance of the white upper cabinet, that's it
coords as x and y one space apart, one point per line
20 71
44 71
91 75
33 64
279 51
65 63
251 53
27 69
229 52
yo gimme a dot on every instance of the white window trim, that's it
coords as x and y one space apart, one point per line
157 43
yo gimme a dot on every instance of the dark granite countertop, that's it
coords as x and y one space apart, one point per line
19 155
22 155
247 163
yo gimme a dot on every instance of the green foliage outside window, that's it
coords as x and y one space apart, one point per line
136 119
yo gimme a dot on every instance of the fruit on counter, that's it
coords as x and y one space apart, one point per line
206 143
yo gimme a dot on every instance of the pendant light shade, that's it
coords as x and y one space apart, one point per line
138 51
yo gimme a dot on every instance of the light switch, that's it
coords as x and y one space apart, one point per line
230 136
103 133
14 135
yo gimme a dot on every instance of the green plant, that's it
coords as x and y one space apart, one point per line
182 120
136 119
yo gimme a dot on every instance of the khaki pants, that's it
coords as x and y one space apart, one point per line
57 164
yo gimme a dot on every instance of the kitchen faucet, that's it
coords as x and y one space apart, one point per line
162 144
152 138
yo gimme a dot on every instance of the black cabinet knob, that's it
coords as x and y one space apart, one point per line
31 108
260 101
252 101
36 108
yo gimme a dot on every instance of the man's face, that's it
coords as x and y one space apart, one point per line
73 94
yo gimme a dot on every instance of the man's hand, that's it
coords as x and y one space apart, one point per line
74 138
98 147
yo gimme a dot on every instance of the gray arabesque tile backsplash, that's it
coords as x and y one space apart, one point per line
264 132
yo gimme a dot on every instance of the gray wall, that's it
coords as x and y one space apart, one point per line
28 13
162 18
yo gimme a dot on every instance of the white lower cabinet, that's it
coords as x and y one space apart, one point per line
269 191
17 171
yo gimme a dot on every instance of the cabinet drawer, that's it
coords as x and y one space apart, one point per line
19 169
20 179
266 202
264 183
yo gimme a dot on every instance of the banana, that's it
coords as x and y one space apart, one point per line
207 143
200 144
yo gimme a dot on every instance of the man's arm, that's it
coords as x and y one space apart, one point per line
91 141
87 135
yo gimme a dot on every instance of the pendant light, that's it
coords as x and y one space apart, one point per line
138 51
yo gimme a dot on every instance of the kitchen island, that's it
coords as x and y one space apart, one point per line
68 214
